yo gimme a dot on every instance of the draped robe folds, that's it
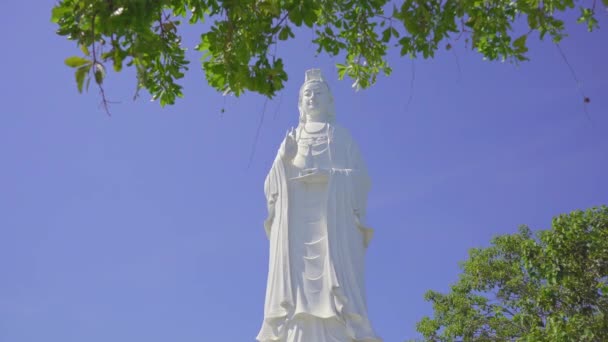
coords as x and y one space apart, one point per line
339 312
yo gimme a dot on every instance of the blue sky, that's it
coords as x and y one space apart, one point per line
147 225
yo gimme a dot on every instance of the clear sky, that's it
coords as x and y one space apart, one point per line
147 225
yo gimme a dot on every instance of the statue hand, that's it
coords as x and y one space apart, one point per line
289 147
313 176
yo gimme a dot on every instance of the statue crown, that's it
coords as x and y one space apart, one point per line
313 75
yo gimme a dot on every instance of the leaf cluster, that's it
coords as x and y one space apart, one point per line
239 47
552 286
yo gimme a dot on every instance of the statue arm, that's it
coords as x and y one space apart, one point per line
356 171
270 204
361 187
274 186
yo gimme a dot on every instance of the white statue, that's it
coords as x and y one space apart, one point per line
316 192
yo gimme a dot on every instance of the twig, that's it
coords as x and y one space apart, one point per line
412 79
457 65
578 83
276 112
278 24
282 20
223 109
257 134
104 100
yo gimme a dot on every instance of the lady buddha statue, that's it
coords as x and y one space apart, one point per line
316 193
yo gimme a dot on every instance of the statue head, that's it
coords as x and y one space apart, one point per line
316 102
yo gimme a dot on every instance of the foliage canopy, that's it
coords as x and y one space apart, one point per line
238 46
552 287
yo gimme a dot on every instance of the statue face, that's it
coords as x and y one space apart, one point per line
316 100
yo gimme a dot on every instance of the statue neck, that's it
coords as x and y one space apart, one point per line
317 118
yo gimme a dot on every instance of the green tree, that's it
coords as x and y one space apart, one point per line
549 287
237 47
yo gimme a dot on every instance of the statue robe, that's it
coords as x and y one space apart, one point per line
318 297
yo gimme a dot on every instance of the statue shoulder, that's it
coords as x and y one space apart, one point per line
340 133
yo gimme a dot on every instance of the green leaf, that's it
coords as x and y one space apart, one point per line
58 12
296 17
80 74
341 70
528 288
117 62
235 47
310 17
395 32
533 20
284 33
85 50
386 35
75 61
520 43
